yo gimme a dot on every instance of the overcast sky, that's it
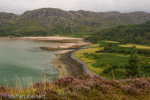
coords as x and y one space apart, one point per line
19 6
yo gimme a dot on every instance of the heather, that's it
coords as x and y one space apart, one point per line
86 88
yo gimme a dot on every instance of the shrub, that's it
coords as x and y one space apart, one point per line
64 81
38 85
130 89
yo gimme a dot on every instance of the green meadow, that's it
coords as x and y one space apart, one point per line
110 64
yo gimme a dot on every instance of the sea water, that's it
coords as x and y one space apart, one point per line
24 61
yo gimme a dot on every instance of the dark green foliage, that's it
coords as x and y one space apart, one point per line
115 58
23 28
115 48
138 34
134 64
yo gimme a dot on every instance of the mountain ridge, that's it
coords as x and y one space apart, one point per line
51 21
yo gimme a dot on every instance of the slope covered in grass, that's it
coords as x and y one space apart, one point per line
108 59
84 53
85 88
53 21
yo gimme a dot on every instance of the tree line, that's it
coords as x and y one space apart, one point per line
137 34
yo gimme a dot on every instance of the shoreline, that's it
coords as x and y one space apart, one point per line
85 68
67 66
65 62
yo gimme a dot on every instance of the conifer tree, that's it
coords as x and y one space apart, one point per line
134 64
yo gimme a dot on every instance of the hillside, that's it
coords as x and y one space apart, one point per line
82 88
136 34
50 21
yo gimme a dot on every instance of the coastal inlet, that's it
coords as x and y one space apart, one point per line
31 57
24 60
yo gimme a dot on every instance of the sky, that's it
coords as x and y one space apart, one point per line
20 6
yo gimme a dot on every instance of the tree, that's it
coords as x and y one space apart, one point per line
134 64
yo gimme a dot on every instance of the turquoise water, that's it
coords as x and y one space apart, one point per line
24 60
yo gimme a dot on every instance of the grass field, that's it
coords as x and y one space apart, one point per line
107 64
94 46
111 41
137 46
89 61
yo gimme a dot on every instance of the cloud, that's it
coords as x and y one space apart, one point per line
19 6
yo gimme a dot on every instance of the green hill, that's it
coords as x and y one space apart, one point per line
137 34
50 21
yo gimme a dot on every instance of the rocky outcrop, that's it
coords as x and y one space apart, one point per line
57 21
46 13
8 16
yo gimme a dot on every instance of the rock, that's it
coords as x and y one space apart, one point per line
49 21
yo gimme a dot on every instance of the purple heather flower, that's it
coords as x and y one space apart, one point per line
5 95
38 85
130 89
51 91
140 83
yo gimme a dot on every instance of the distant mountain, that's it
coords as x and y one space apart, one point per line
50 21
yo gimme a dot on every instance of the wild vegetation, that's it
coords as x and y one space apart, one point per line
111 57
83 88
109 60
133 67
50 21
135 34
124 48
